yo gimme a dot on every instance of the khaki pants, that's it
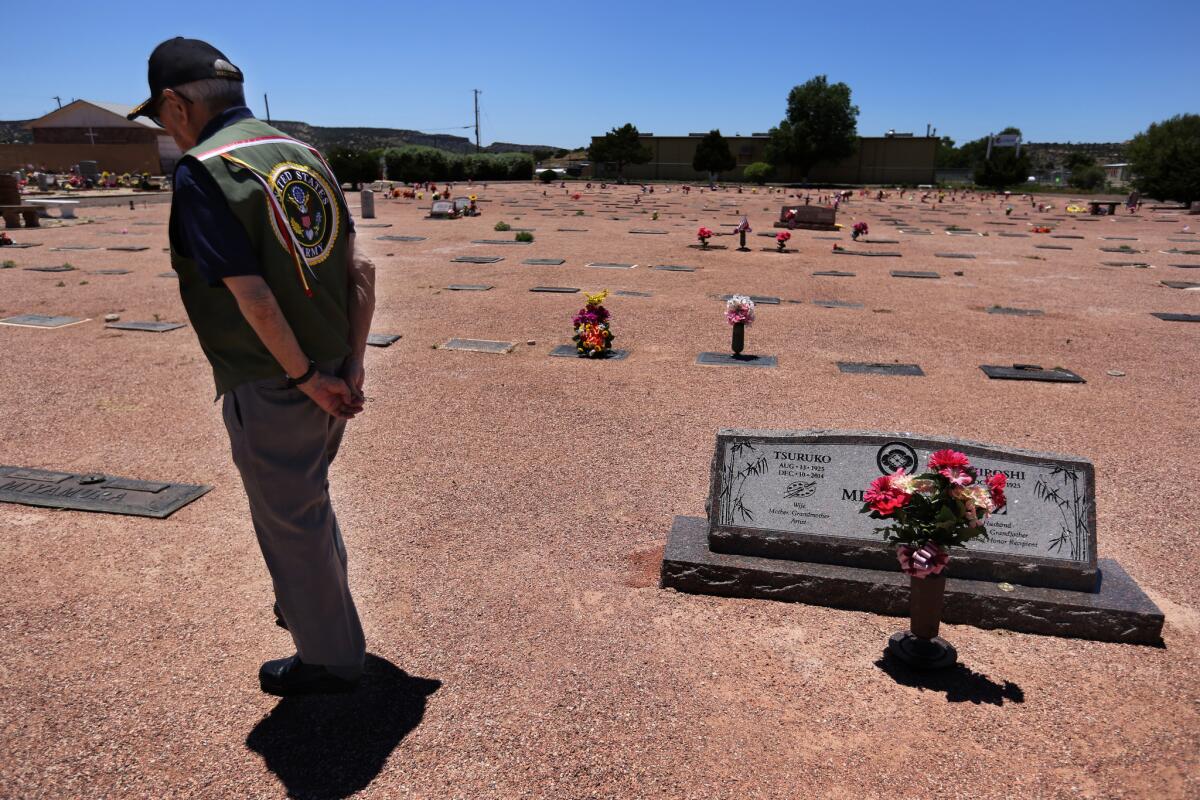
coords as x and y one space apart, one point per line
283 444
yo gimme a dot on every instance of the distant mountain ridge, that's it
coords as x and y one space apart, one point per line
324 138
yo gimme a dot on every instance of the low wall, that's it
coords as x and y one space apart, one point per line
116 158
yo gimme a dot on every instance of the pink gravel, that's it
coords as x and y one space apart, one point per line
505 516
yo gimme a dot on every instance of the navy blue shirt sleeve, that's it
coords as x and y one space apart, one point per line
208 232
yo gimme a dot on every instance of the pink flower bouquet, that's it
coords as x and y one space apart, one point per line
781 239
739 308
944 507
704 234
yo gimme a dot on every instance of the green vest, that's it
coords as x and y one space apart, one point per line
298 229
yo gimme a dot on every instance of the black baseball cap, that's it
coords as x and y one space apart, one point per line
178 61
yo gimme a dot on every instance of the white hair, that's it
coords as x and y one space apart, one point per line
215 94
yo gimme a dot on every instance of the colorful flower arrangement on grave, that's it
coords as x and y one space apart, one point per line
859 229
704 234
593 332
576 196
944 507
739 309
781 239
837 248
1040 229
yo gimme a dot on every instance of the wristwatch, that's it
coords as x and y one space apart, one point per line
292 383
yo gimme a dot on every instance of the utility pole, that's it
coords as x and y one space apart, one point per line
476 91
267 103
58 100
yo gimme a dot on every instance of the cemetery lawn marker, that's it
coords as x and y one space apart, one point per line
95 492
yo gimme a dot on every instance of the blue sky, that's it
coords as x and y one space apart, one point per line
557 73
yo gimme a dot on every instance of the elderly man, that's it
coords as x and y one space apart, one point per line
263 245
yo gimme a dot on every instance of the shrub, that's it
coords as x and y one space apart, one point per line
502 226
412 163
547 175
758 172
353 166
1088 178
524 236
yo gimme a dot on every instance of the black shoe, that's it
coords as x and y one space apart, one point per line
291 676
279 620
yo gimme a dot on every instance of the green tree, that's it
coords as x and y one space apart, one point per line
547 175
1005 168
1089 178
620 146
1078 160
821 125
1165 159
354 166
948 156
759 172
713 155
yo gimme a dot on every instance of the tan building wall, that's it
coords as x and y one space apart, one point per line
117 158
878 159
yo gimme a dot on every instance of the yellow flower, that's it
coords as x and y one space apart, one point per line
596 299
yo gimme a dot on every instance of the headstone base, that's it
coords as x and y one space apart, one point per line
1119 612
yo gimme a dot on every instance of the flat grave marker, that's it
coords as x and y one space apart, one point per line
647 232
1170 316
66 247
544 262
476 259
555 289
610 265
833 273
673 268
469 287
570 351
41 321
1030 372
836 304
902 273
730 360
758 299
394 238
498 241
479 346
149 327
630 293
1015 312
128 248
954 255
877 254
868 368
53 268
383 339
1187 285
95 492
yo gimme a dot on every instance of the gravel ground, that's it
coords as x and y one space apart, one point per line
505 517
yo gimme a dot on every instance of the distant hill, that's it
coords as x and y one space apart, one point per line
324 138
15 132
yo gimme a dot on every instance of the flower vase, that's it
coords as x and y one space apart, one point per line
742 241
920 647
739 338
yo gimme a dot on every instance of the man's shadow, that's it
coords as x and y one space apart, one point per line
959 683
335 745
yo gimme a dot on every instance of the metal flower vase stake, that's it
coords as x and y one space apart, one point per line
929 513
741 230
739 312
